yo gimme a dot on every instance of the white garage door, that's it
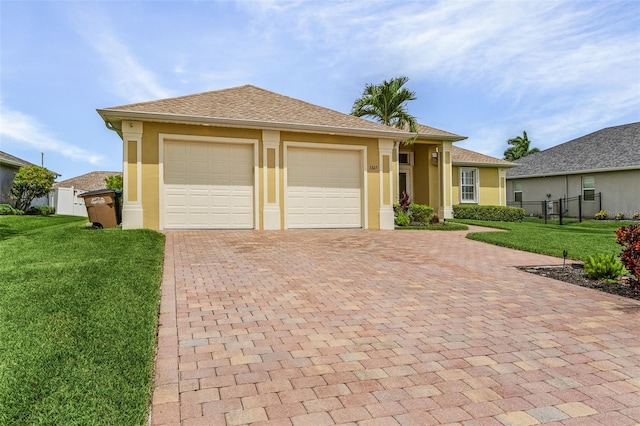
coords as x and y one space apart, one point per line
324 188
208 185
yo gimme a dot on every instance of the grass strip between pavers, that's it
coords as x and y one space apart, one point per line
581 240
78 320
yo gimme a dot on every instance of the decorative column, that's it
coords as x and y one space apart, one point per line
445 210
271 179
386 172
502 187
132 212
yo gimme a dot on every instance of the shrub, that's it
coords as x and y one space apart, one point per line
636 216
603 266
402 218
405 201
6 209
491 213
420 213
629 238
602 215
41 210
619 216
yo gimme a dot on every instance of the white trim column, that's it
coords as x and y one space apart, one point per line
445 210
132 212
271 178
386 172
502 186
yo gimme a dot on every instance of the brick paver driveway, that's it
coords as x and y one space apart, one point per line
384 328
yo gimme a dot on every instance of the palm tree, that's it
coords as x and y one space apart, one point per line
520 148
386 103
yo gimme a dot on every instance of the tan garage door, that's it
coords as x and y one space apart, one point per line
324 188
208 185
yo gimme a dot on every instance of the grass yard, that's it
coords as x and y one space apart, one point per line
579 239
78 318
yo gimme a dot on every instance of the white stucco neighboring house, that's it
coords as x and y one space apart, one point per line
601 169
64 196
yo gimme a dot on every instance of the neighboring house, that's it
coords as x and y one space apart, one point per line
248 158
605 162
64 196
9 166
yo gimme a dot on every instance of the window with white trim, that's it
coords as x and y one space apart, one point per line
517 191
588 188
469 185
405 158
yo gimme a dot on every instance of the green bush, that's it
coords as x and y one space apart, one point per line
113 182
6 209
420 213
603 266
41 210
402 218
492 213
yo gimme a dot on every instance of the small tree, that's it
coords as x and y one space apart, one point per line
113 182
520 148
29 183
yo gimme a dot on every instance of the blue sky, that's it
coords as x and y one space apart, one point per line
483 69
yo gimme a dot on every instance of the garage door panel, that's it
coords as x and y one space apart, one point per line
208 185
324 188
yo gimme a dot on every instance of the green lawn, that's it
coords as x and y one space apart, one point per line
78 318
579 239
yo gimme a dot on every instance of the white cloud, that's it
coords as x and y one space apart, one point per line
25 129
127 75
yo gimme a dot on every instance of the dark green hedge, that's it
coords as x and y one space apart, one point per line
494 213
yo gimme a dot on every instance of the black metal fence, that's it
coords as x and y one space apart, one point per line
563 208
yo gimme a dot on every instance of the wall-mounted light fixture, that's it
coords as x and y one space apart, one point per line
434 158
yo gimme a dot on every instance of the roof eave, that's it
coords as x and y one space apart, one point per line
481 164
110 115
577 172
426 137
14 163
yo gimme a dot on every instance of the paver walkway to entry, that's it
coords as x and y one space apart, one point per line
323 327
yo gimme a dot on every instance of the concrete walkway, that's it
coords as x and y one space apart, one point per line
322 327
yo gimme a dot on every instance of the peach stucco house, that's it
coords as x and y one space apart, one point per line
248 158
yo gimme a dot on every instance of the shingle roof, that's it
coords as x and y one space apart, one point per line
432 132
461 156
249 106
607 149
13 161
86 182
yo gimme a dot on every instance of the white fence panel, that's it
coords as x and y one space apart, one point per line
66 201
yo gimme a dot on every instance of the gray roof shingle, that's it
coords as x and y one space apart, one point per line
607 149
